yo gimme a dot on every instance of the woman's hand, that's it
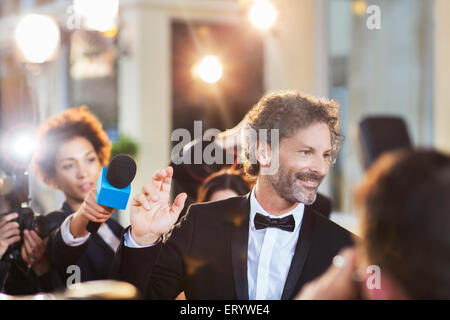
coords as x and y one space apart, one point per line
151 213
90 210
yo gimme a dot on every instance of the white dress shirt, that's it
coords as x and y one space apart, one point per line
104 232
128 241
270 253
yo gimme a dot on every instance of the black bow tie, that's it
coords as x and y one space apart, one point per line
286 223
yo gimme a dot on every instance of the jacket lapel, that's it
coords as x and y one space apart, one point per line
239 246
300 255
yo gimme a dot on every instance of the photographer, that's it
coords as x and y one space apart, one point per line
27 271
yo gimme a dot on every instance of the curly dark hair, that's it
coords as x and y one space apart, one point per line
404 205
71 123
288 111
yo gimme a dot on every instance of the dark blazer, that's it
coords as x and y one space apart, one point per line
207 256
94 257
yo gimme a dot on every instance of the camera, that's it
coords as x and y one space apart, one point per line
27 220
15 195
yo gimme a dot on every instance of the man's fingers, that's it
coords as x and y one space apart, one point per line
157 179
159 175
178 204
151 192
167 182
141 200
160 182
169 171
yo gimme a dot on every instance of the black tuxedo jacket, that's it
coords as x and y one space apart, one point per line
94 257
207 256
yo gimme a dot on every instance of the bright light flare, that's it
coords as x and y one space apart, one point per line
262 14
99 15
209 69
19 144
23 145
37 37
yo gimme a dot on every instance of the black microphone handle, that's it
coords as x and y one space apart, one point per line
92 227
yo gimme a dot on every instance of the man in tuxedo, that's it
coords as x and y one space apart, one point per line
265 245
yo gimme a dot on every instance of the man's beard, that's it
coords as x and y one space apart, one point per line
287 184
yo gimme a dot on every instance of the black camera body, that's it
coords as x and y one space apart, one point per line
14 191
28 220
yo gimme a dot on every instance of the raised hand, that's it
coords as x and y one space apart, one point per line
151 212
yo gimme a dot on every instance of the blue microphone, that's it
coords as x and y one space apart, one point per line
113 185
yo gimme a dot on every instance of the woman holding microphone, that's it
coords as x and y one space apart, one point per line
73 149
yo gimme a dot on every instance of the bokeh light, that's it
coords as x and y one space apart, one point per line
209 69
98 15
359 7
37 37
262 14
18 145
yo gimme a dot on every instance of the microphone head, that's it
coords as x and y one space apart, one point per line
121 171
